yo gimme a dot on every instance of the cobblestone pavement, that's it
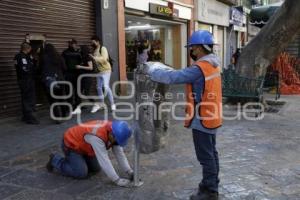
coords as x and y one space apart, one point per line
259 161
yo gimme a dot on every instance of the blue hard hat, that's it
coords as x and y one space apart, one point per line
201 37
121 132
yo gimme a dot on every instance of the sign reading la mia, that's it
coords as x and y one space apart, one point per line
163 10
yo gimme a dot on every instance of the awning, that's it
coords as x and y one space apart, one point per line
259 16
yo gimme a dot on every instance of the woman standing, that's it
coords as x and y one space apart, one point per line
52 67
86 67
101 57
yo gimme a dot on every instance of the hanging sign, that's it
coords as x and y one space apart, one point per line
161 10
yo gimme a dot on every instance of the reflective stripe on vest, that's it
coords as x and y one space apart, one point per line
215 75
95 129
210 109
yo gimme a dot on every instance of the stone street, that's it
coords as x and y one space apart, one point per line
259 161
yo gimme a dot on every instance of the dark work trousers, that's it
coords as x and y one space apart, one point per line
207 155
27 88
59 110
75 164
72 76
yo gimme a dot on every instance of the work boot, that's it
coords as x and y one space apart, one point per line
49 163
204 194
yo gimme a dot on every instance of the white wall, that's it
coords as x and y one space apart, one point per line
183 43
169 46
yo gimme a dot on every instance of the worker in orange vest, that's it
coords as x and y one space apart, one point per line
86 150
203 107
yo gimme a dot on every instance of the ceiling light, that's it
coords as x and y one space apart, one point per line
145 26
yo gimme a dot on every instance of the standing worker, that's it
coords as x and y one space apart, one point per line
26 80
204 106
86 148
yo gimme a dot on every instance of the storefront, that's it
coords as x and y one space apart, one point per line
156 31
214 17
53 21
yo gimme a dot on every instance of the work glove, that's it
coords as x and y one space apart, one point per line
122 182
149 67
143 69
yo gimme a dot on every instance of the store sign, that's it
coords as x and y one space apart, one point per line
213 12
239 28
236 17
161 10
179 11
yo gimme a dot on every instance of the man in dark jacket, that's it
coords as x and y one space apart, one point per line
26 80
72 58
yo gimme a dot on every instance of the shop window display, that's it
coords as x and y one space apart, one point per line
142 46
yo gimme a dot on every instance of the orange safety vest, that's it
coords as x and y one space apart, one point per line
210 107
74 136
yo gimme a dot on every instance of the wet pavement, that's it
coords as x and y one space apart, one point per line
259 160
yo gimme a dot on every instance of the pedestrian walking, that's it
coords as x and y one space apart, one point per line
204 106
101 56
235 58
26 80
86 151
52 66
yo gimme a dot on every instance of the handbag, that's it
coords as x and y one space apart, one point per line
96 66
50 80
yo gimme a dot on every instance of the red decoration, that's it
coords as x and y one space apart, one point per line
289 78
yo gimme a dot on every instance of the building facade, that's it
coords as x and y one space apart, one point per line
159 27
56 22
214 16
163 26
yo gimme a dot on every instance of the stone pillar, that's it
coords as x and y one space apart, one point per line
153 123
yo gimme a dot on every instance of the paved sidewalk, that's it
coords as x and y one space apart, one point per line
259 161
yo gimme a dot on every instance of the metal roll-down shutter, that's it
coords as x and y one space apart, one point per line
58 20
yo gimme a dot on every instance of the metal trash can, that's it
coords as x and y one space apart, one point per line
152 121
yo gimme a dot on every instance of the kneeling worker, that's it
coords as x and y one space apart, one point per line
86 147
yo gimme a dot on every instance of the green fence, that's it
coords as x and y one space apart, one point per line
236 86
